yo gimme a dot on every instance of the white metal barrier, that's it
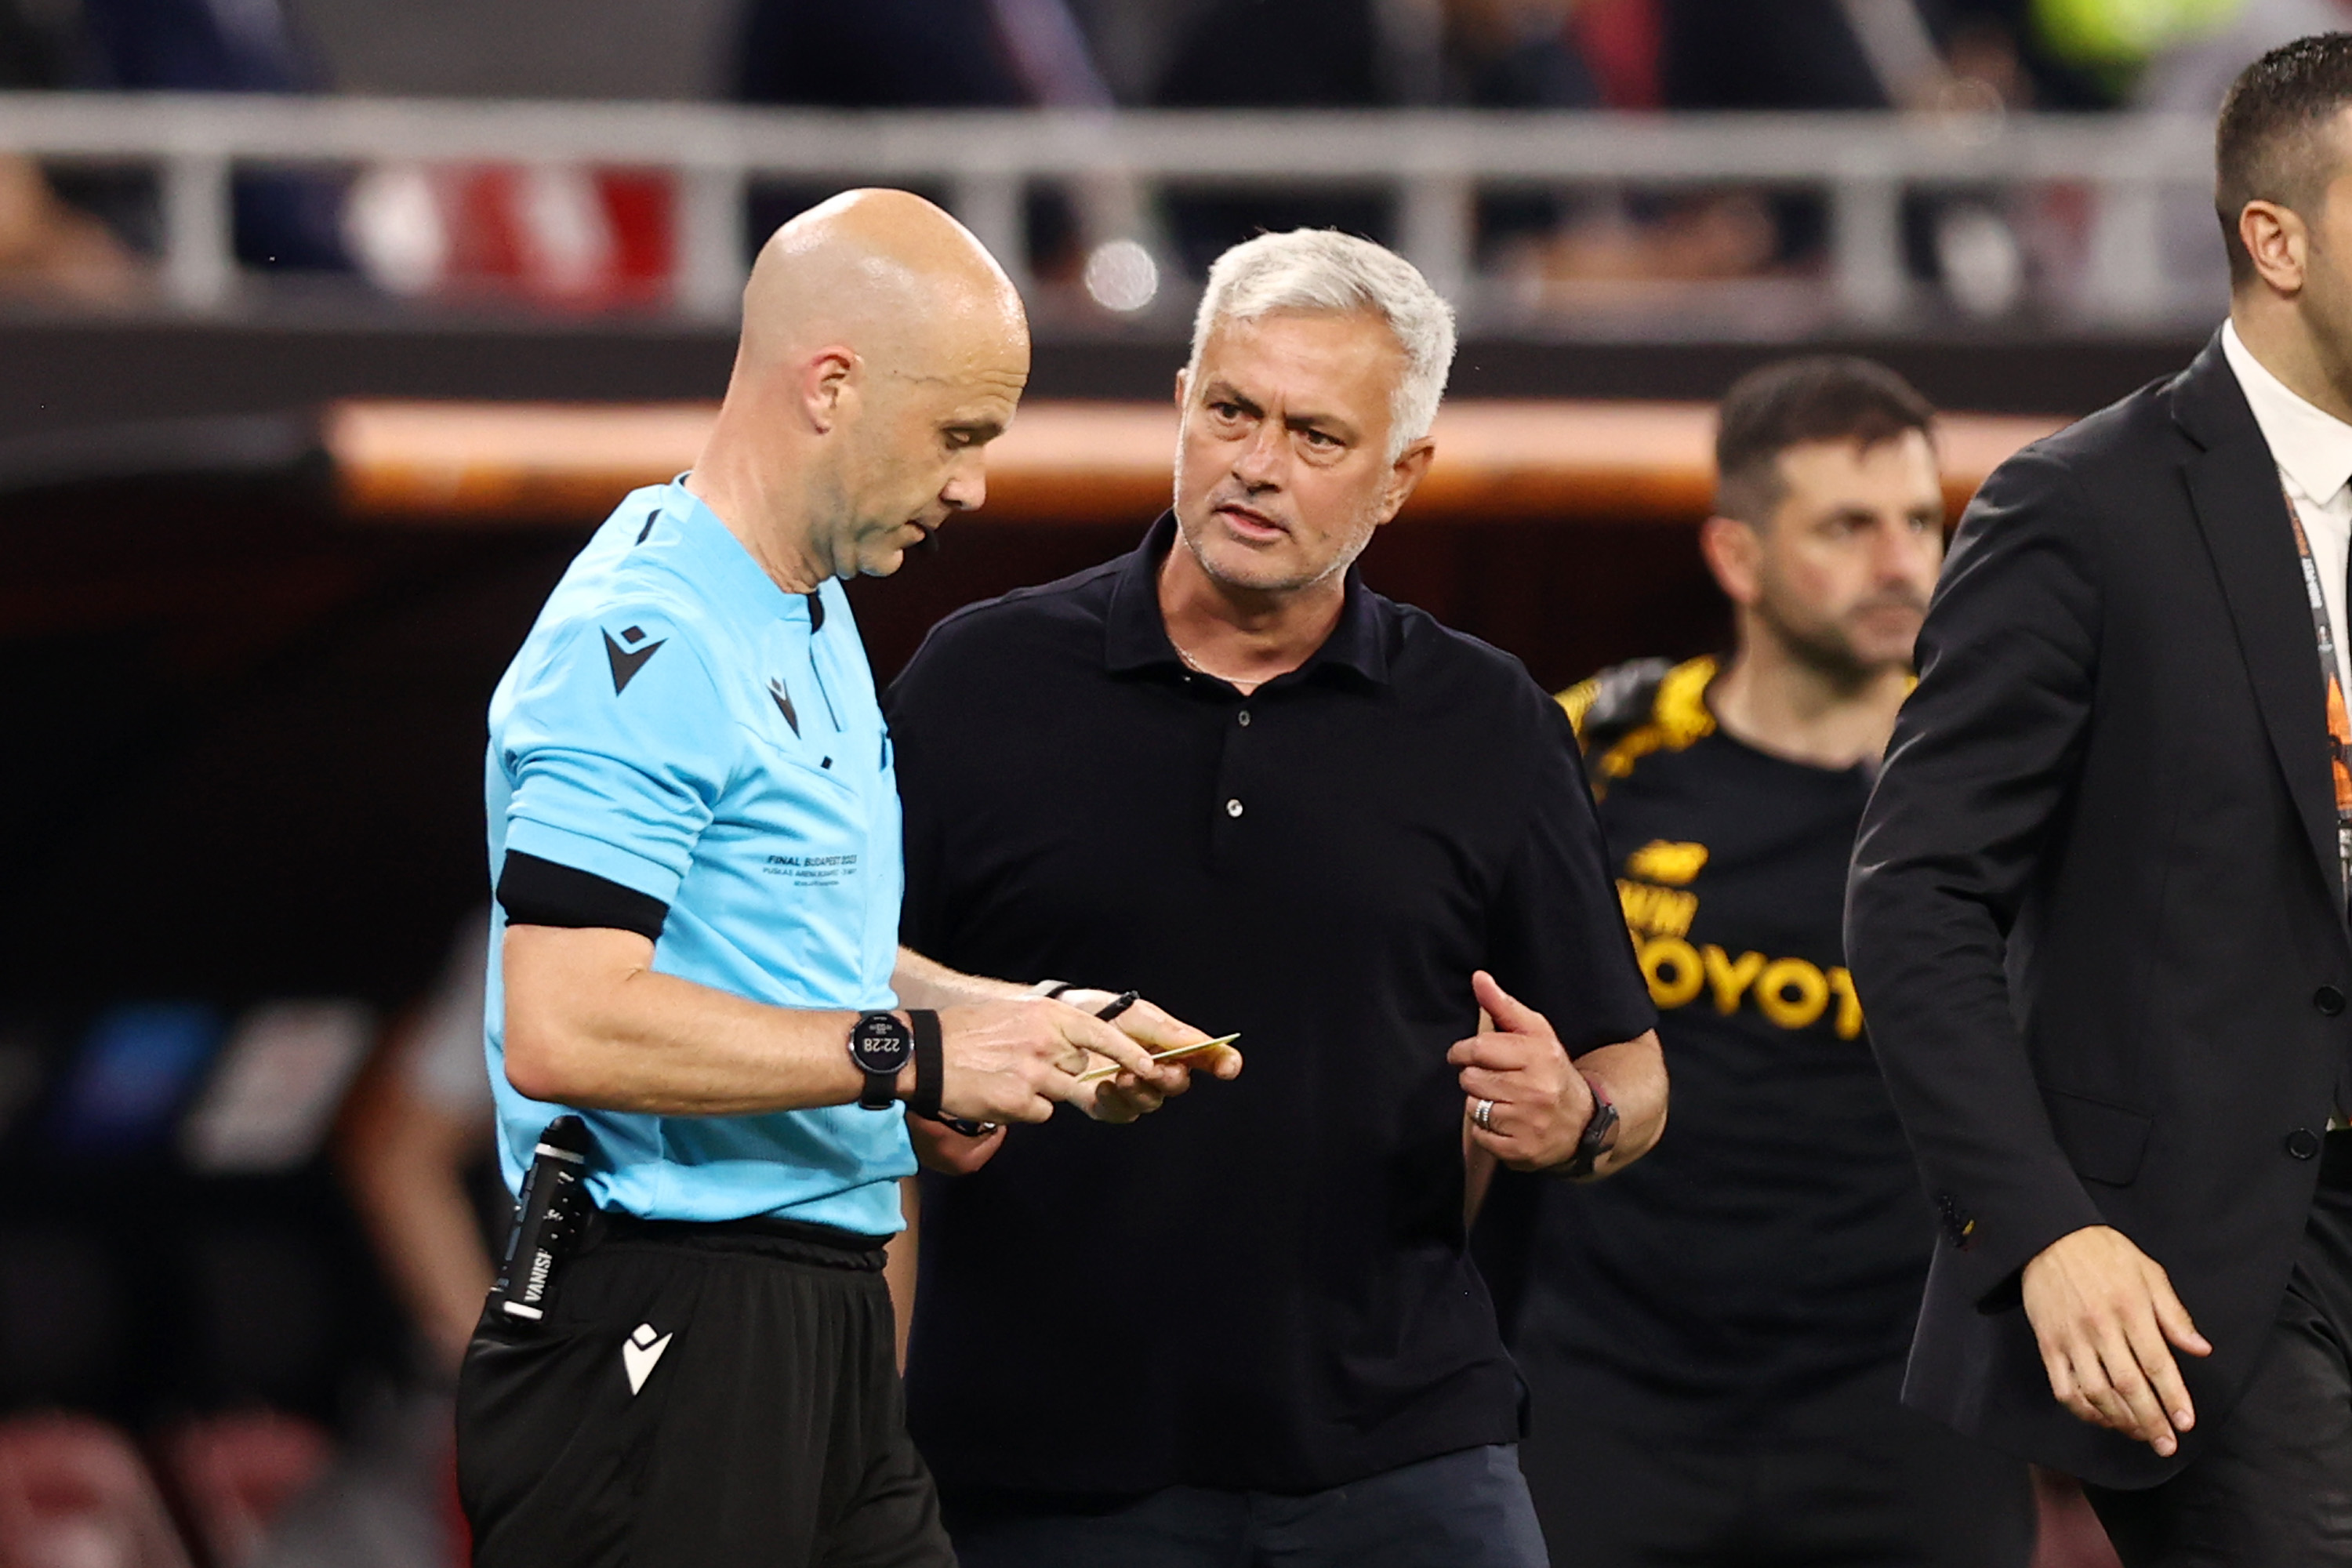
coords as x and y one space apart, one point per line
1437 162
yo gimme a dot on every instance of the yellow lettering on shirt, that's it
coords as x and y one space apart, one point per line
1729 979
1672 967
1849 1016
1792 993
1656 911
1660 860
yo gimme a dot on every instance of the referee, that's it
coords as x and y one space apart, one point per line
1739 1304
695 837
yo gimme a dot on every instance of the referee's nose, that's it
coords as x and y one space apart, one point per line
967 486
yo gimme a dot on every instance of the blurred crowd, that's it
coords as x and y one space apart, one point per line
246 1249
586 237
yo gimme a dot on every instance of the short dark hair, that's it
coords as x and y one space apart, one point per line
1793 402
2268 146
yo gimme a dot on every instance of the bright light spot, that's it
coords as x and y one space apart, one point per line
1122 277
393 224
1983 264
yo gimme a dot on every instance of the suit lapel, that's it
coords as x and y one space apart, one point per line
2233 487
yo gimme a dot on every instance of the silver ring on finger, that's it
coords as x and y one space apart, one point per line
1482 1114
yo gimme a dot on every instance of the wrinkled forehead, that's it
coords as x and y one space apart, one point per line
1341 361
1352 341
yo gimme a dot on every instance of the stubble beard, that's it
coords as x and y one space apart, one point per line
1829 648
1362 539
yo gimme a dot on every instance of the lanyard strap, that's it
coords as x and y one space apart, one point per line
2339 725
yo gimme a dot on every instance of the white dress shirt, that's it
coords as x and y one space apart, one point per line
2313 449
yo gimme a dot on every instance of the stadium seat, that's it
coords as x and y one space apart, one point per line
233 1474
74 1494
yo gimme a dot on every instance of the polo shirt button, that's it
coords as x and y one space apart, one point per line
1243 718
2302 1143
2328 1000
1232 808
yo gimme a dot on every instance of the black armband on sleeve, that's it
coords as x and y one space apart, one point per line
536 893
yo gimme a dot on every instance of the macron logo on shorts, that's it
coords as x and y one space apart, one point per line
628 661
639 1354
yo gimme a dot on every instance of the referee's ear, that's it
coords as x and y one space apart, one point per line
828 386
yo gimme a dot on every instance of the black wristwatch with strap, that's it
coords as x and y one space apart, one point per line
925 1102
882 1045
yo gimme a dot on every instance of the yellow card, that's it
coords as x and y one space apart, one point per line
1172 1052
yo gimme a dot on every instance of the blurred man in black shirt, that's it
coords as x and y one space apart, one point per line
1223 769
1714 1341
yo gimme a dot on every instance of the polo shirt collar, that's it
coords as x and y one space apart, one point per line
732 573
2310 446
1135 633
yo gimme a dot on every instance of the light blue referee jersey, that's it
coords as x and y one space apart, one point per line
679 724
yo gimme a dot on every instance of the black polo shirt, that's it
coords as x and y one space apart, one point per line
1264 1285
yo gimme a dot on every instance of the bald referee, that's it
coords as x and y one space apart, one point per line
694 833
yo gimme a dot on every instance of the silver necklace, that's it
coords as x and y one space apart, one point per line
1196 665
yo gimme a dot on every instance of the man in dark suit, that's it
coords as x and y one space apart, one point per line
2097 908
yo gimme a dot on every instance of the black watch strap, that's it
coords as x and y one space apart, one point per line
930 1064
1594 1141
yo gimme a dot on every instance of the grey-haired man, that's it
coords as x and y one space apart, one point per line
1221 770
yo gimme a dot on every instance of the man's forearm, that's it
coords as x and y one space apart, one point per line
924 983
590 1024
1632 1074
401 1155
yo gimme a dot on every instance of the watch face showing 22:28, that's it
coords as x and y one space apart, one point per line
880 1043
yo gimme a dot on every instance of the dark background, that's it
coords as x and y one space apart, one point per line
242 734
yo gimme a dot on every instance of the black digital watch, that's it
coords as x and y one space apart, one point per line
881 1045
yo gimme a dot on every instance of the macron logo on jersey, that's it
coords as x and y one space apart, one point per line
626 662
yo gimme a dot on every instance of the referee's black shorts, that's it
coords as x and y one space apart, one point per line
702 1396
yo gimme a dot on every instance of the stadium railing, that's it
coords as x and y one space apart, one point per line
1435 163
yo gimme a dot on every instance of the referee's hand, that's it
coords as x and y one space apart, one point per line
1126 1097
1009 1061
